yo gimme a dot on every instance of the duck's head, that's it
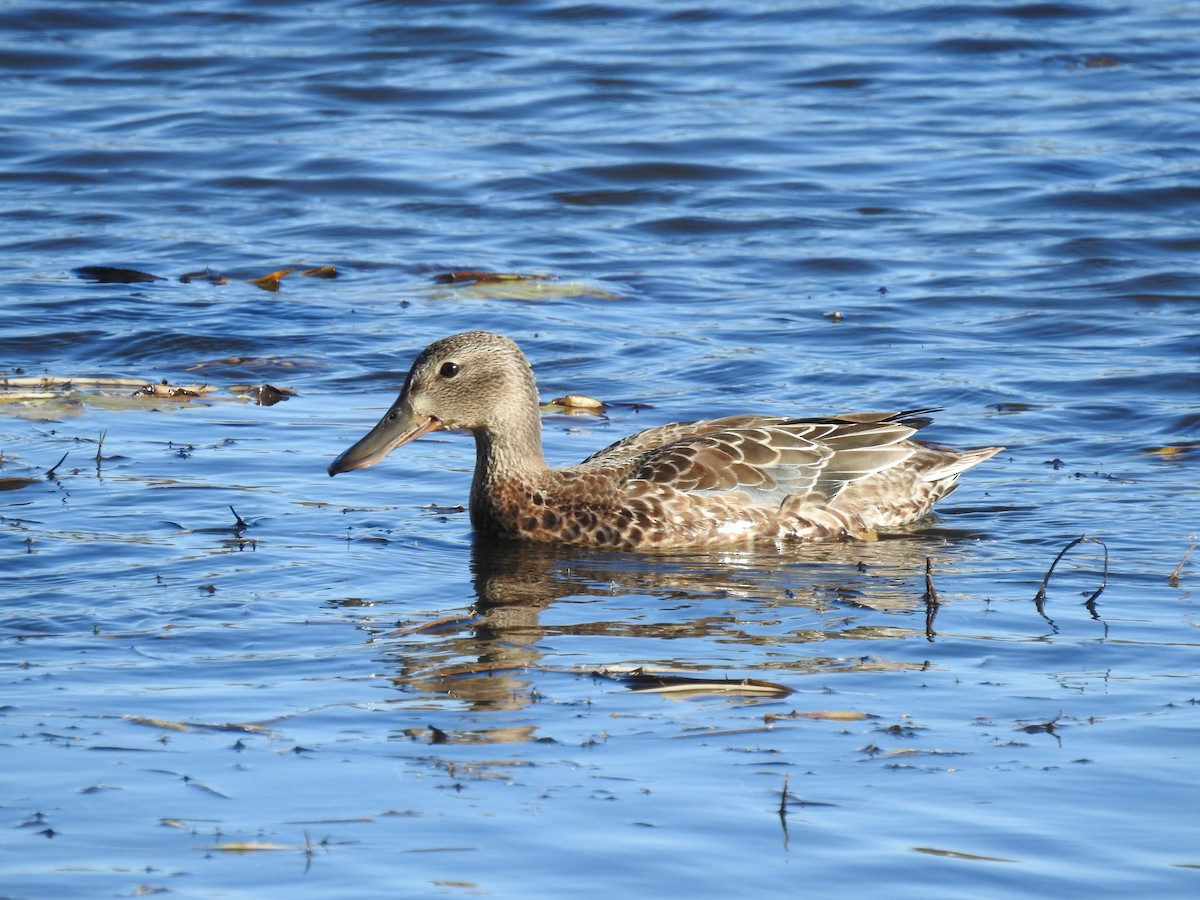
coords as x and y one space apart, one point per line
476 381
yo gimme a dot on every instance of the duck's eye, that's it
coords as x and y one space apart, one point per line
448 369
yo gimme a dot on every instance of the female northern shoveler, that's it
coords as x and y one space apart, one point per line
721 482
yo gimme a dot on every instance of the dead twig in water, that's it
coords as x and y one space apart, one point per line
787 776
1174 579
1039 600
50 472
240 523
932 604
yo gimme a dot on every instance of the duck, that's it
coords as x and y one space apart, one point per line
723 483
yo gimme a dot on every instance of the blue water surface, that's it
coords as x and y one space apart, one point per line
226 675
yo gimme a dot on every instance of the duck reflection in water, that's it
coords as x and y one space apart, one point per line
526 594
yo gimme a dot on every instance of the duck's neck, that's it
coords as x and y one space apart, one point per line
509 466
514 452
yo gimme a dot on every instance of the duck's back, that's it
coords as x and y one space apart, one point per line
749 478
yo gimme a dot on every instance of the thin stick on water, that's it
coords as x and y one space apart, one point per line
240 522
932 603
1040 599
50 472
931 595
1174 579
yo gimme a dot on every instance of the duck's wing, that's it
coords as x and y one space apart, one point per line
768 458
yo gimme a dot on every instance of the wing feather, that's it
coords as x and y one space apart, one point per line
768 458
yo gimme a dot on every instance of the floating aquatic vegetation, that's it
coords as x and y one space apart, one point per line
321 272
643 682
575 405
268 282
958 854
40 397
115 275
207 275
517 286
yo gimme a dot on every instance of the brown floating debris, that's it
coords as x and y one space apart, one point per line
1174 579
1184 449
644 682
175 392
49 383
577 401
249 847
170 725
836 715
208 275
321 272
957 854
271 282
478 277
157 723
262 394
115 275
15 484
247 362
